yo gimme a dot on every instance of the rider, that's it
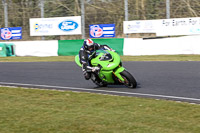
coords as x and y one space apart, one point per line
86 50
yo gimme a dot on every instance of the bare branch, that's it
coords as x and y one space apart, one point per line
190 8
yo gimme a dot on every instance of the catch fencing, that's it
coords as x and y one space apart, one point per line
16 13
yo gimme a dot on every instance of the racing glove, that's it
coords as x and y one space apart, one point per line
94 69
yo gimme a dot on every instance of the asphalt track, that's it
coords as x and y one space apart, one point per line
179 81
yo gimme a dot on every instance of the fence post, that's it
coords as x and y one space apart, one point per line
83 18
126 11
5 5
168 9
42 8
42 12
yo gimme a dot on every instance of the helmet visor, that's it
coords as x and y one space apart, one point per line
90 48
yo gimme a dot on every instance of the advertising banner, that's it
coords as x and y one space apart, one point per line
11 33
55 26
179 26
164 27
139 26
102 30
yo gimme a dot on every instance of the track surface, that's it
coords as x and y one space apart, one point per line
178 81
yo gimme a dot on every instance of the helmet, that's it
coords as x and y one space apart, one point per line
88 44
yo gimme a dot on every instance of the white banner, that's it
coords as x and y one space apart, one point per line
140 26
55 26
164 27
179 26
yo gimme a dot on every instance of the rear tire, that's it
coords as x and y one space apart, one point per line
129 80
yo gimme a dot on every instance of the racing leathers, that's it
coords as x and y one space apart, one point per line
84 55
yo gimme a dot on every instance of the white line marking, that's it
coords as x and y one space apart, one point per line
107 91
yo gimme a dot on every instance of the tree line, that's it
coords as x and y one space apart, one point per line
96 12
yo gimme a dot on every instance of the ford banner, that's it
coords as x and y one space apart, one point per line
55 26
11 33
102 30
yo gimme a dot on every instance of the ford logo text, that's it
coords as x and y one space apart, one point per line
68 25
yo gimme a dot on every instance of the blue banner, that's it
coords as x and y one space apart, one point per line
11 33
102 30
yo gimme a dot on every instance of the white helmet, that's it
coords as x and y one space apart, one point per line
88 44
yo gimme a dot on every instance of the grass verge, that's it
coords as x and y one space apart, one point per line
124 58
48 111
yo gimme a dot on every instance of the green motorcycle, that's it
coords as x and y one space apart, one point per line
111 71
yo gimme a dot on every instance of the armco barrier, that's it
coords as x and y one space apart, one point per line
3 50
36 48
115 43
7 49
123 46
69 47
72 47
10 48
164 46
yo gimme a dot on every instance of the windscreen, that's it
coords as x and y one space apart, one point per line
105 55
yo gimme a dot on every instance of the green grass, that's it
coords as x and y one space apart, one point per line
162 58
48 111
36 59
124 58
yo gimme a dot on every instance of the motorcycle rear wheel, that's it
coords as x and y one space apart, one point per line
129 80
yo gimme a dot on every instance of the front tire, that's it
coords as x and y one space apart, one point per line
129 80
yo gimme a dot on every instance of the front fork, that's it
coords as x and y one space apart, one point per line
118 75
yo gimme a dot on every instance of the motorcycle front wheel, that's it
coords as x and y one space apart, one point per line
129 80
